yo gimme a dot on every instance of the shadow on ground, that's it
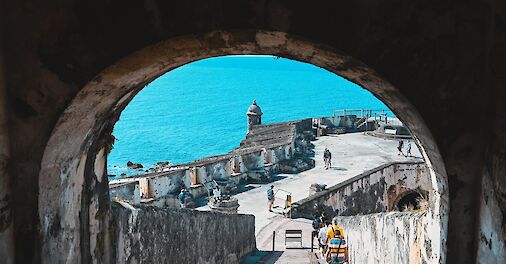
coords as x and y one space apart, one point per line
260 256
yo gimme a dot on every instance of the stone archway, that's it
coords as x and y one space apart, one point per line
408 196
73 203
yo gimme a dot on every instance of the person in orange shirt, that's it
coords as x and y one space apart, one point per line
334 230
336 245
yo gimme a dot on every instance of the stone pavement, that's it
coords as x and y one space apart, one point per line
352 154
292 252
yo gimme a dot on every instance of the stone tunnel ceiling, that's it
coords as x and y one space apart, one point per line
447 59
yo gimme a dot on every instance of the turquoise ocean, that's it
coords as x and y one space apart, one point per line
199 109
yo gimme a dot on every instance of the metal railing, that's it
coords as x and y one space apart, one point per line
386 116
364 113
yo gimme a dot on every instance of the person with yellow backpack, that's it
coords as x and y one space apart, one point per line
337 249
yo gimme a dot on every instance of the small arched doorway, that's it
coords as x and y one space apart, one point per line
411 200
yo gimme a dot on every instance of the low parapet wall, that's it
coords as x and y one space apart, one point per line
154 235
387 238
257 158
374 191
164 186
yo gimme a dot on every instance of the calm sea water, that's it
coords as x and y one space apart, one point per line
199 109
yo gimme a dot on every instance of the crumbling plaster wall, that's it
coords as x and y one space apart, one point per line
164 184
374 191
492 244
153 235
403 238
446 59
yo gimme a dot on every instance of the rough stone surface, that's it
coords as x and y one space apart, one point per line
153 235
6 203
395 237
436 64
377 190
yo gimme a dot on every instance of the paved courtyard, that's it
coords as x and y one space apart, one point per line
352 154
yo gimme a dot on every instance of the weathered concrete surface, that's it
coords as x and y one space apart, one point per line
492 231
291 252
445 63
390 238
153 235
374 191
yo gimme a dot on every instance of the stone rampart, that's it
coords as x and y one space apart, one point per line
387 238
165 185
259 155
374 191
155 235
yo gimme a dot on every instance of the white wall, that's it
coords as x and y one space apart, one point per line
388 238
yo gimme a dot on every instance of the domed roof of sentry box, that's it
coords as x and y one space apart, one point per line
254 109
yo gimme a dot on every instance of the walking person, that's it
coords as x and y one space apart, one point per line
325 157
399 147
408 152
182 197
270 197
317 224
337 252
322 236
329 159
217 193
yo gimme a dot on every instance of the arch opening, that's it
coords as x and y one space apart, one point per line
413 200
197 110
74 160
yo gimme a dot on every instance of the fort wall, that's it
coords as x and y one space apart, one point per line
257 159
374 191
155 235
393 237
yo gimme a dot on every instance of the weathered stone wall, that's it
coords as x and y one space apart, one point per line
167 184
492 246
444 62
253 161
374 191
6 216
217 170
347 121
123 191
386 238
304 125
152 235
259 156
376 236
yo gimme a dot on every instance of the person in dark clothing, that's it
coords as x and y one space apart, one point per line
399 148
270 197
181 197
327 157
